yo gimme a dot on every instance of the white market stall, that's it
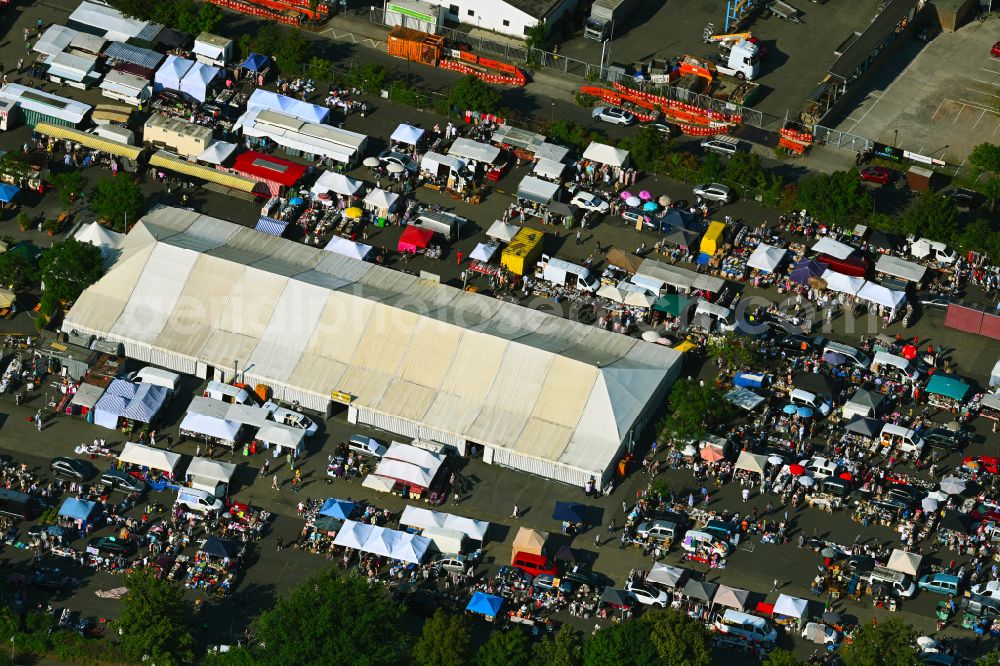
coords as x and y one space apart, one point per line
483 252
546 168
207 474
213 427
502 231
790 606
126 87
147 456
380 201
199 80
171 73
218 152
538 191
266 100
349 248
767 258
411 466
424 518
605 154
407 134
879 295
382 541
338 183
844 284
213 49
900 268
54 40
108 242
833 248
474 151
282 437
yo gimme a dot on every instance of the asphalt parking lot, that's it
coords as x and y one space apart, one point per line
939 99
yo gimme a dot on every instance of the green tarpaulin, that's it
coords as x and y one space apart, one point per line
672 304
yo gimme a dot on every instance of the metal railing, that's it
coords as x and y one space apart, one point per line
838 139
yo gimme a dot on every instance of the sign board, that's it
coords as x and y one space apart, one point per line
341 397
924 159
891 153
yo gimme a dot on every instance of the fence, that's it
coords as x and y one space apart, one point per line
838 139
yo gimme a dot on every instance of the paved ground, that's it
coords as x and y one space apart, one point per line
938 99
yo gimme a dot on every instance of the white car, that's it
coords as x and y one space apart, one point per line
817 632
290 418
648 595
589 201
388 157
366 446
613 115
819 468
990 589
714 192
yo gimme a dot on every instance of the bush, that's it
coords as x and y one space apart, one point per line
370 77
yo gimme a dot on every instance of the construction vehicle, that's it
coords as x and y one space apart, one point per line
742 61
711 38
604 16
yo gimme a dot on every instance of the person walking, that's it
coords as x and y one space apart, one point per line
611 527
266 467
274 483
597 540
290 461
281 544
513 514
746 495
775 585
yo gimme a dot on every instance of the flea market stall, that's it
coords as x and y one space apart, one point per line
84 400
407 134
907 271
349 248
211 429
126 87
213 49
282 437
413 470
414 239
212 476
171 73
200 79
274 173
154 465
478 155
607 155
947 392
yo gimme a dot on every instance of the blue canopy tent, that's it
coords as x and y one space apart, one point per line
805 269
751 379
77 509
571 512
255 62
336 508
8 192
271 226
485 604
146 403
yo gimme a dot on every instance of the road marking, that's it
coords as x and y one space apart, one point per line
989 83
939 108
870 109
974 105
978 119
983 92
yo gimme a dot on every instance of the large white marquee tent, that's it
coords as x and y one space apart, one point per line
535 391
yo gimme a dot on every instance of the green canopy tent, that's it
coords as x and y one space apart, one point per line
672 304
947 387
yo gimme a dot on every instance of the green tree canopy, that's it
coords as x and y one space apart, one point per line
17 269
691 410
569 133
330 621
836 198
564 649
292 52
889 643
473 93
780 657
989 659
118 200
370 77
154 620
444 641
679 640
732 351
70 185
932 216
623 644
745 169
66 269
985 158
647 148
505 648
209 17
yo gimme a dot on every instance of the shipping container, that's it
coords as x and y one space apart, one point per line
415 45
523 251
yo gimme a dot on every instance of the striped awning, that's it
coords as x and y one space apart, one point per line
89 140
169 160
135 55
271 226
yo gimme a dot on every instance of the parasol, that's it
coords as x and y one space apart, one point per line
664 200
650 206
394 167
790 409
650 336
953 485
846 476
929 504
645 195
775 460
807 481
626 195
938 495
633 201
688 451
805 412
296 201
796 470
370 162
353 212
833 358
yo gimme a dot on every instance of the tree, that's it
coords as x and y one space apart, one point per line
622 644
979 236
679 640
932 216
505 648
17 269
293 51
565 649
985 158
836 198
118 200
330 621
647 148
66 269
154 620
209 17
745 169
711 168
16 165
444 641
370 77
320 69
472 93
267 40
889 643
732 351
71 185
691 410
535 36
989 659
780 657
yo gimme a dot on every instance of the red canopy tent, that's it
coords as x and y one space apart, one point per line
275 173
414 238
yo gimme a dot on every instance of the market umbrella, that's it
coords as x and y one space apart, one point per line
650 206
633 201
296 201
664 200
775 460
833 358
797 470
570 512
688 451
790 409
805 412
626 195
938 495
565 554
929 504
353 212
394 167
953 485
370 162
828 552
909 352
807 481
645 195
650 336
711 454
846 476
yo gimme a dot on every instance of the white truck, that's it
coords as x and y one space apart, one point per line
606 17
925 248
566 274
740 59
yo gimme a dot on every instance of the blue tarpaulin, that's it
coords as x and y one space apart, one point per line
271 226
750 379
336 508
76 509
8 192
485 604
135 55
255 62
122 388
570 512
146 404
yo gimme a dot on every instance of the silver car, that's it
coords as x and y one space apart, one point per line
613 115
714 192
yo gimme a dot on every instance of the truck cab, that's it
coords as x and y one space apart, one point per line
742 60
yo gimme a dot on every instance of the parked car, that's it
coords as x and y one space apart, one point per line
668 129
389 156
50 579
714 192
724 145
291 418
589 201
860 564
990 590
419 602
995 51
72 468
451 563
366 446
944 439
876 174
547 582
118 480
109 545
647 594
614 116
658 530
797 343
176 97
940 583
962 197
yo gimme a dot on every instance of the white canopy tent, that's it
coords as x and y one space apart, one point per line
272 101
407 134
282 436
995 374
537 190
338 183
833 248
502 231
211 470
378 199
896 267
653 274
766 258
382 541
904 562
605 154
751 462
790 606
147 456
87 395
211 426
217 153
423 518
844 284
483 252
349 248
876 293
106 19
198 80
108 242
664 574
353 534
468 149
54 40
547 168
171 73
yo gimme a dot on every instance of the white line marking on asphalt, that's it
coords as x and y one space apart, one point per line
939 108
978 119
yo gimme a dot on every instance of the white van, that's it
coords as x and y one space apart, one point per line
158 377
925 248
887 360
807 399
566 274
448 225
710 315
905 439
695 539
199 501
229 393
853 356
897 583
820 468
746 626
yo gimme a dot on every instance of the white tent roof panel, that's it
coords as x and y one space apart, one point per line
900 268
146 456
468 149
605 154
833 248
213 470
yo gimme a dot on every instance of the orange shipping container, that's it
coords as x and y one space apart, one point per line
415 45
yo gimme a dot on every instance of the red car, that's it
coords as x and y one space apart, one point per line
995 51
876 174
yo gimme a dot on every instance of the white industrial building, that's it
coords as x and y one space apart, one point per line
508 17
539 393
